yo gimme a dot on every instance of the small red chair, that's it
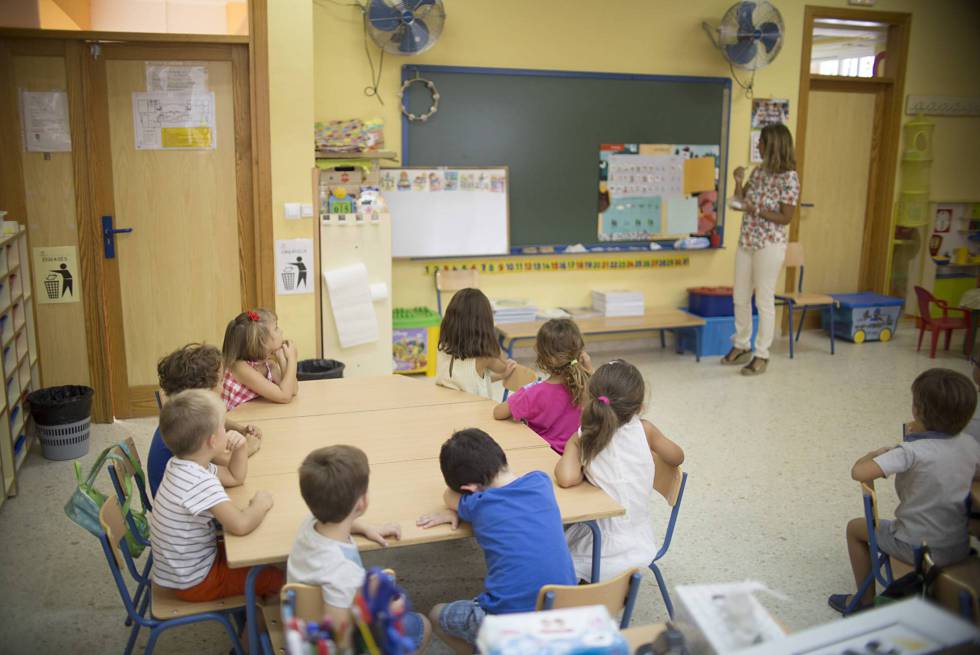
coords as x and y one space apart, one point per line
945 323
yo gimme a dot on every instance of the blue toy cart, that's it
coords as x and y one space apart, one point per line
867 316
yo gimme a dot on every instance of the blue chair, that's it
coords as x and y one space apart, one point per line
618 595
166 610
800 300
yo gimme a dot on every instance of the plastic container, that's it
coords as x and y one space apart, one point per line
914 209
861 317
712 301
62 416
319 369
414 339
716 336
916 174
918 139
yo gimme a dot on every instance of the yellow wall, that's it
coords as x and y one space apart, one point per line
613 36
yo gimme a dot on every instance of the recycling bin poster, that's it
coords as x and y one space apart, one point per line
294 264
56 274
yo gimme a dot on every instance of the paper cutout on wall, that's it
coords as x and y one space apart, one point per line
350 300
682 215
56 274
558 264
699 174
294 259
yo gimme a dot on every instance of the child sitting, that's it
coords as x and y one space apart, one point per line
613 452
195 366
334 484
469 357
553 407
258 362
187 554
934 467
517 523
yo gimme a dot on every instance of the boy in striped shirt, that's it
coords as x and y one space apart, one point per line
187 554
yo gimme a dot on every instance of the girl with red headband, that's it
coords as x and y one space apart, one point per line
258 361
613 450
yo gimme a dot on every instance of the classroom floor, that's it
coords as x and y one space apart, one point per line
768 495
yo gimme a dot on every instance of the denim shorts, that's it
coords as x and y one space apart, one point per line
414 628
462 619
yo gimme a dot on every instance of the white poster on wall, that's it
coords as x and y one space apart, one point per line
174 121
45 121
766 111
294 261
177 76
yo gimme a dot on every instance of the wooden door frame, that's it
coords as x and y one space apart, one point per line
252 164
889 93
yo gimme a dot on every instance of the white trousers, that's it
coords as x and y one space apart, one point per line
756 270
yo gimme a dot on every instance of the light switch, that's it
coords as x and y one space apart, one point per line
307 210
293 210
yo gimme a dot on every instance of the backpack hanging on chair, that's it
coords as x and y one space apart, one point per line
86 501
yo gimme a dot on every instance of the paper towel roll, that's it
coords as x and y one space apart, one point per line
350 299
379 291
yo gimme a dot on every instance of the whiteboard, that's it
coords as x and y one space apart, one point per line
447 212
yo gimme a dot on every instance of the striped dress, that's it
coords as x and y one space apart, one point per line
182 532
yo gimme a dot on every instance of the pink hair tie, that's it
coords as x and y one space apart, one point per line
603 399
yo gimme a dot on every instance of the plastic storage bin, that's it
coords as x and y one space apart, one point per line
414 339
712 301
716 335
319 369
861 317
62 417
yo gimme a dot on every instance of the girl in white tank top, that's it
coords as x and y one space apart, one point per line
613 452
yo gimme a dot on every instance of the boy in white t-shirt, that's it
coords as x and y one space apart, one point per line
187 554
334 483
934 468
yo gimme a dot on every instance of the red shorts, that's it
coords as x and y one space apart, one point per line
223 581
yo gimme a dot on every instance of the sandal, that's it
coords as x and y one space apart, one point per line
756 367
838 603
736 356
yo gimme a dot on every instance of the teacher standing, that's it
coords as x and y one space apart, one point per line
768 199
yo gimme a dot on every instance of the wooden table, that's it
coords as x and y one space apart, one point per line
654 319
400 423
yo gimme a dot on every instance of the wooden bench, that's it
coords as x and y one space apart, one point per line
654 319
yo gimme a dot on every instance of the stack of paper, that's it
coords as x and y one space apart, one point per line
513 311
567 631
618 303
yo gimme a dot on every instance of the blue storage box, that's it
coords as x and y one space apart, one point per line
713 301
716 335
867 316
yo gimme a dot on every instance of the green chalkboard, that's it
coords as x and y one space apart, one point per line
547 126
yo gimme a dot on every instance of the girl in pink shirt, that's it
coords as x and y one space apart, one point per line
553 407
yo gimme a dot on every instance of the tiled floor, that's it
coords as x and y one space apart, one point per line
768 495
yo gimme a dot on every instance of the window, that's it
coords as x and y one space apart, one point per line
848 48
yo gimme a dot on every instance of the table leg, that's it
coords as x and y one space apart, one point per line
697 345
663 342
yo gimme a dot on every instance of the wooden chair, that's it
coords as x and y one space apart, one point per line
453 281
957 588
166 610
944 323
618 595
800 300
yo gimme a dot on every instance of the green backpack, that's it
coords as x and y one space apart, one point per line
86 501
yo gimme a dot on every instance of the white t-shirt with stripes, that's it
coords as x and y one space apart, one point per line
182 532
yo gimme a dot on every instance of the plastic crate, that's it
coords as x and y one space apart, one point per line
716 335
713 301
861 317
414 339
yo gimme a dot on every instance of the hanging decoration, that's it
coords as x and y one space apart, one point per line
430 85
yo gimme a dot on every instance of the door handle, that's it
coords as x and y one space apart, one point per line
806 205
109 236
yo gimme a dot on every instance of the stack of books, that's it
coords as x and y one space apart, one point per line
618 303
513 311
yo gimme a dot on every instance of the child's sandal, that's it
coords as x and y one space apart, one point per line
736 356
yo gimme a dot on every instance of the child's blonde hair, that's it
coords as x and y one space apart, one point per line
188 418
559 347
615 396
246 336
776 144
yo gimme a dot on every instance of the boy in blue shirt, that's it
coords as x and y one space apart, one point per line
517 524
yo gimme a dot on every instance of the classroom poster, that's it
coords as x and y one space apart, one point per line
174 121
657 191
45 121
188 77
294 261
766 111
56 274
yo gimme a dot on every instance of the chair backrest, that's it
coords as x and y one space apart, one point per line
308 604
453 281
868 490
924 298
666 479
114 526
794 254
617 595
121 469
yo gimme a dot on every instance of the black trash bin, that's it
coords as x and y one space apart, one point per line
319 369
63 418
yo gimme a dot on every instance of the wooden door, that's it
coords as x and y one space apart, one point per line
187 267
839 133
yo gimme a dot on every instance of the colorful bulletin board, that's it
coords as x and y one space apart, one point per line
655 191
